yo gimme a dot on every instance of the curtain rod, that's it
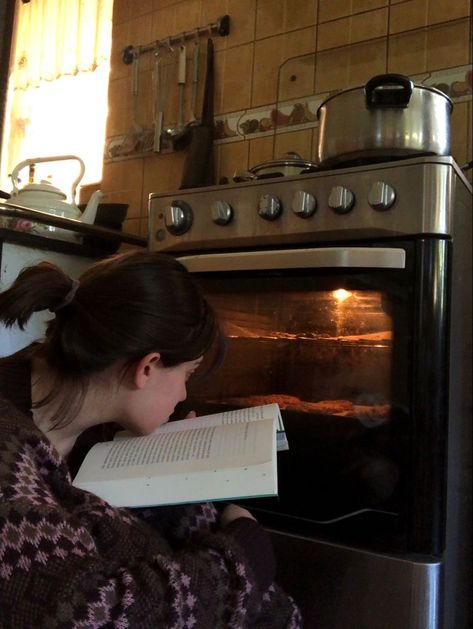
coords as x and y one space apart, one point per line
221 27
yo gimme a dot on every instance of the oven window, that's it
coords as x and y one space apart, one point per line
331 350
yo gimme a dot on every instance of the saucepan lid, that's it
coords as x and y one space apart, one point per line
288 165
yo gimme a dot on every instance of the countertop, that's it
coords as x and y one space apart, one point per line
30 228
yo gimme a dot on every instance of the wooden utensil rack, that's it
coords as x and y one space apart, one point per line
221 27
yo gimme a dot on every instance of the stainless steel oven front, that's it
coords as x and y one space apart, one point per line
355 322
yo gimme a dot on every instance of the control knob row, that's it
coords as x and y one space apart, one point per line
178 216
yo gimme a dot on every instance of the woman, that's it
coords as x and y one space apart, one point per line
124 340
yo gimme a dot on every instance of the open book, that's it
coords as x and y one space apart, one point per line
224 456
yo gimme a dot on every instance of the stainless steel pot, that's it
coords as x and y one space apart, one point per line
388 118
290 164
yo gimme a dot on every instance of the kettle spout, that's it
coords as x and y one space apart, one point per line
90 212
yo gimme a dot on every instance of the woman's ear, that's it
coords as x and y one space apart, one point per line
143 369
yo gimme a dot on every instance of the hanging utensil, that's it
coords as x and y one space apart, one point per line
158 104
195 80
181 82
173 132
184 138
199 168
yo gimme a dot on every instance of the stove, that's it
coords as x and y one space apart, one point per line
346 297
398 198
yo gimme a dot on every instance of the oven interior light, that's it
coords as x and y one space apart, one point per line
341 294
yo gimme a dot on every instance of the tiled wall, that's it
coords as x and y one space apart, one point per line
271 70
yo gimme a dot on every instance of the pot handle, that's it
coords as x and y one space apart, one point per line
396 91
244 175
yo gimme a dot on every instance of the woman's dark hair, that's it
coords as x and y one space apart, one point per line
125 307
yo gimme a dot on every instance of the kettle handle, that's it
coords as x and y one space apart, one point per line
57 158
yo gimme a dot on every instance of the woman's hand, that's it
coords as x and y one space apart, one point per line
233 512
190 415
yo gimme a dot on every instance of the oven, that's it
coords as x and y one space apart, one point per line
345 297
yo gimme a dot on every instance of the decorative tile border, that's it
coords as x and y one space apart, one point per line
288 116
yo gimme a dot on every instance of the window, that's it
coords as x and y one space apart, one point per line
57 90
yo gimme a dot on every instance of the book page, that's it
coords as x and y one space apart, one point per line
223 447
241 415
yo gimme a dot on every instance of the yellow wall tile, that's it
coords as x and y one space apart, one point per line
369 25
211 10
299 14
121 11
366 60
232 157
162 173
131 197
368 5
242 22
333 34
119 105
408 15
332 70
448 45
237 78
163 24
408 53
270 54
187 15
261 150
442 11
296 77
299 42
269 18
268 57
118 69
161 4
122 175
294 142
334 9
459 128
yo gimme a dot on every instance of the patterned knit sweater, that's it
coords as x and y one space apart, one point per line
69 560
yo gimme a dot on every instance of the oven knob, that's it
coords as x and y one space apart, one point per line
381 196
222 212
178 217
304 204
269 207
341 199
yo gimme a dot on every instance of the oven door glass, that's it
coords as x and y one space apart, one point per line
328 341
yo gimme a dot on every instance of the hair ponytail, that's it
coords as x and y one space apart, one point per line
125 307
40 287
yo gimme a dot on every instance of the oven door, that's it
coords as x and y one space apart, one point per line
351 342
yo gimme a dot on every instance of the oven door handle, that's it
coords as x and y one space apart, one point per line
328 257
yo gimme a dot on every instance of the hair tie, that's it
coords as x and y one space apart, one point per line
69 297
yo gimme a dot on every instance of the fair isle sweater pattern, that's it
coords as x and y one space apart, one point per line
68 560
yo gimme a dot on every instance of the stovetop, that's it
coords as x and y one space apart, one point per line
405 197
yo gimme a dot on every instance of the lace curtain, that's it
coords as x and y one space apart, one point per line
57 92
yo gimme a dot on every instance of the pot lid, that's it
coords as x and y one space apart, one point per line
43 187
288 159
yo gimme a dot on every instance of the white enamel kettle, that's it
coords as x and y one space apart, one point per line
47 198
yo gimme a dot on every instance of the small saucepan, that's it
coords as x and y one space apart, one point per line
289 165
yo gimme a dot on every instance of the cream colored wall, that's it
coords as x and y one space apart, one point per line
353 40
